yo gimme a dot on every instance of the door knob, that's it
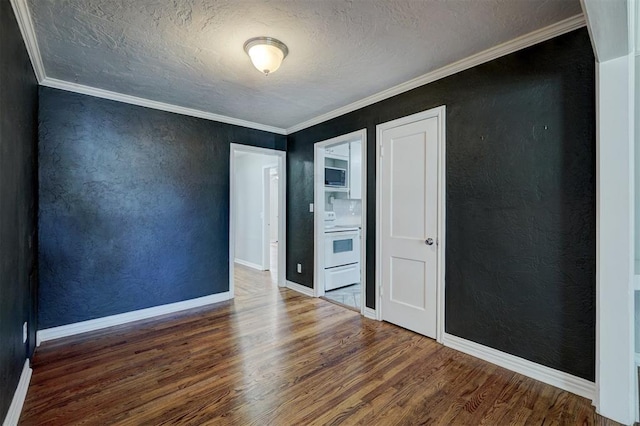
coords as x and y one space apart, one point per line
429 241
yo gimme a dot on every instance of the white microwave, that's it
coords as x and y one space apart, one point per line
335 177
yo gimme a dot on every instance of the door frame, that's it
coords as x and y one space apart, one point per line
266 216
440 113
318 212
282 196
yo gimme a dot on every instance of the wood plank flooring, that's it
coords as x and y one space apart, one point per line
275 357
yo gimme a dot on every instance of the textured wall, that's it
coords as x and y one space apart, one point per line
134 206
520 256
18 148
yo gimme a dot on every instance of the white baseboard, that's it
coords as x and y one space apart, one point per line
300 288
248 264
370 313
110 321
15 409
525 367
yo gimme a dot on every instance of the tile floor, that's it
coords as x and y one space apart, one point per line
349 295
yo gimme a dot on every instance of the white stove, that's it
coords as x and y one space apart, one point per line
342 253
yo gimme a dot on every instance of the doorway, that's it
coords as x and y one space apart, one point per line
257 214
269 216
410 212
340 219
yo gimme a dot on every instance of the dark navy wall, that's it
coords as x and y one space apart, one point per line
520 200
134 206
18 187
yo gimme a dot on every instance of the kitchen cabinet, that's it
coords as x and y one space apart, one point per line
338 151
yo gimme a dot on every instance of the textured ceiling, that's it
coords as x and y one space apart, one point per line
189 52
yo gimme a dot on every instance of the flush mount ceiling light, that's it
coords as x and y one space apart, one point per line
266 53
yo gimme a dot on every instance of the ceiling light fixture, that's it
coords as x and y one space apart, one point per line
266 53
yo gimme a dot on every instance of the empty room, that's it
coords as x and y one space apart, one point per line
297 212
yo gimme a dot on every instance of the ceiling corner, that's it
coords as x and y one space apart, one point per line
23 16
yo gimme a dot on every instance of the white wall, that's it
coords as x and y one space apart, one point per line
249 203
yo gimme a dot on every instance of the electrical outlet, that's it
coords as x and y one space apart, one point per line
310 207
299 268
25 332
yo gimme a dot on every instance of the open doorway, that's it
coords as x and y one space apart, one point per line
256 232
340 212
271 211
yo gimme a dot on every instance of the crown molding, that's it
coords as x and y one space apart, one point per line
25 23
519 43
134 100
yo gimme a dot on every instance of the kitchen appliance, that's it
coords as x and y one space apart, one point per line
341 254
335 177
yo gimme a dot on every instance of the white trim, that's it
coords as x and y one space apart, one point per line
266 217
442 221
363 222
636 25
300 288
318 211
370 313
559 379
282 212
127 317
23 16
441 113
318 218
490 54
25 22
15 409
134 100
378 253
249 264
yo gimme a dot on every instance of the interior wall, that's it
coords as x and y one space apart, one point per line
249 169
18 187
520 200
134 206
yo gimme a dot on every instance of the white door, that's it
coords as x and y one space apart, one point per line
409 225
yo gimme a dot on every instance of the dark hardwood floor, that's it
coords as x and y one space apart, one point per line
274 357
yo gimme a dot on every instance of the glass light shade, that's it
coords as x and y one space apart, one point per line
266 53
